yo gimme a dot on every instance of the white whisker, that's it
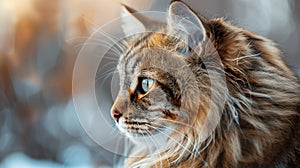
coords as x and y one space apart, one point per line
177 122
110 37
171 139
157 147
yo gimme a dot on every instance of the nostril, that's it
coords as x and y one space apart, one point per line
116 115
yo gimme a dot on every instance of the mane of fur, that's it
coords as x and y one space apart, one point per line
260 123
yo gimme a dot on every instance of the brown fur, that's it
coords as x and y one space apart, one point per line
261 89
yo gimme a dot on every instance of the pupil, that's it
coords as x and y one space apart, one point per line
146 84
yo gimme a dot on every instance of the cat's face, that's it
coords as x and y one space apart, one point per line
150 96
161 78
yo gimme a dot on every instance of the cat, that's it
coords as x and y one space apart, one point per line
222 95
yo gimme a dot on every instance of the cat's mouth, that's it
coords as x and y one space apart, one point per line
137 128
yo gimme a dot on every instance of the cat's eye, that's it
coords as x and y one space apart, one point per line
184 51
147 84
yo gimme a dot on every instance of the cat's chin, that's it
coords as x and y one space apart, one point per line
150 139
138 132
136 129
141 136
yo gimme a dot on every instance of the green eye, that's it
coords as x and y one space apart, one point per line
147 84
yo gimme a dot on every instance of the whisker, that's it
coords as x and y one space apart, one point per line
182 134
106 65
140 161
116 160
81 38
177 122
243 57
110 37
207 144
109 74
104 80
111 45
104 43
195 147
105 75
157 146
106 56
114 39
111 48
70 40
171 138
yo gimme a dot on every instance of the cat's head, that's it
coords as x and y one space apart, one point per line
177 81
166 76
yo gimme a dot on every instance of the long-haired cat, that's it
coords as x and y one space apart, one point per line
222 95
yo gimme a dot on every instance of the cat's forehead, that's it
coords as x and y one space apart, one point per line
150 54
150 49
150 39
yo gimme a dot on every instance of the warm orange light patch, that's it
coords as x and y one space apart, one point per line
140 96
131 92
157 40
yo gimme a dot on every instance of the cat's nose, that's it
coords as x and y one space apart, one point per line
116 114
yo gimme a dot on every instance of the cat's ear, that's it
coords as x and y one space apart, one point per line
133 21
186 24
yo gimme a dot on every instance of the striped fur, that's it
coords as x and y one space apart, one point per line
259 125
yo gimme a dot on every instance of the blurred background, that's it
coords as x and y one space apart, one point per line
39 43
